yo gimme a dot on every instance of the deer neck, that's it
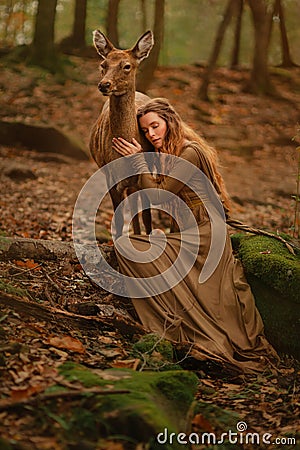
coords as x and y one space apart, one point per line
123 122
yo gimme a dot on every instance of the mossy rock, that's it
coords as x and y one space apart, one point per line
156 400
274 276
155 353
153 342
269 260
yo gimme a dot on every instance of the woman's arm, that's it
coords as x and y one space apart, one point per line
179 174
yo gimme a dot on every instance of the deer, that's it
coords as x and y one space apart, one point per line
118 116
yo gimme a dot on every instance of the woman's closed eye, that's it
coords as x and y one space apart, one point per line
146 130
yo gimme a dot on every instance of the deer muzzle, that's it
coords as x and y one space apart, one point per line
104 87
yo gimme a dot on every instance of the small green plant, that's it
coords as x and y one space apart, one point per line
9 288
155 353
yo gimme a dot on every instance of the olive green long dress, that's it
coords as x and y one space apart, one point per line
219 316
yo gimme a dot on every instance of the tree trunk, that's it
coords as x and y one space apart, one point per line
203 92
237 35
112 22
260 82
76 40
8 12
144 15
286 56
78 35
42 51
148 67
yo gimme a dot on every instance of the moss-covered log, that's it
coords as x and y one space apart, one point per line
156 400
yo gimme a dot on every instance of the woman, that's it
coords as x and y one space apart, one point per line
217 316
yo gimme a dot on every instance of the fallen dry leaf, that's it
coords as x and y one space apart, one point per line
201 423
45 443
230 386
208 383
110 352
126 364
18 394
27 264
67 342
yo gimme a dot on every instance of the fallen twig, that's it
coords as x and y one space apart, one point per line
241 226
55 285
5 404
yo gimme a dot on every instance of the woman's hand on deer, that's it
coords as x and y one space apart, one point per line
126 148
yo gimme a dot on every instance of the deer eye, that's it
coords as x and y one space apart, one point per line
127 67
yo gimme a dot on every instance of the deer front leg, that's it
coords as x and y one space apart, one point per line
146 212
116 198
133 202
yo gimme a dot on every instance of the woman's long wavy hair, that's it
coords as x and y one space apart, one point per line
178 132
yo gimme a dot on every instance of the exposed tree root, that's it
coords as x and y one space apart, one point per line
115 320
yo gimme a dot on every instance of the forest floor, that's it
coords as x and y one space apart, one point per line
259 158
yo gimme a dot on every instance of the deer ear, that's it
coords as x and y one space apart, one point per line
102 44
143 46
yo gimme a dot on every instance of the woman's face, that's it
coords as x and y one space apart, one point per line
154 127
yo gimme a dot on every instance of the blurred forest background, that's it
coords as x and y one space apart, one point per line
189 26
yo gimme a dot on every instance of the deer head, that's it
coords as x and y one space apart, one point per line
118 67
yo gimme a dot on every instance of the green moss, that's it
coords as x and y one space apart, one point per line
156 400
280 316
74 372
155 353
270 261
171 386
236 240
153 343
274 276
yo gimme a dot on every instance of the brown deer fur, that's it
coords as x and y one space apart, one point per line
118 117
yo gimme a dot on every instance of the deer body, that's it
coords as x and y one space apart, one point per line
118 115
117 119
